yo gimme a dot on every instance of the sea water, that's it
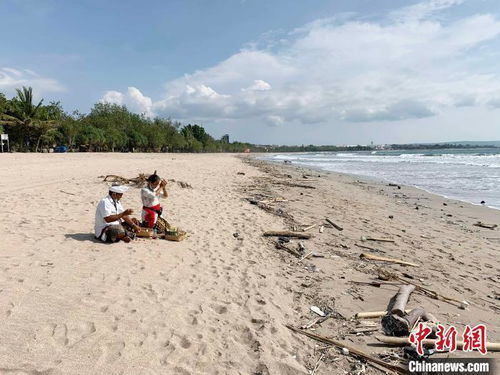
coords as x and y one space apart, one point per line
471 175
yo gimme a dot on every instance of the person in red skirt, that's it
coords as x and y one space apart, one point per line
150 195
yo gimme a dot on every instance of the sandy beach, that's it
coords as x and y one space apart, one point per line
218 302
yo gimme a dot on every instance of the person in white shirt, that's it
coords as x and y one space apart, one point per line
150 196
112 222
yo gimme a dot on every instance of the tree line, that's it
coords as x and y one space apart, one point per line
33 126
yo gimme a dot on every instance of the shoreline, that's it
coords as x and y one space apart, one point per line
375 180
219 301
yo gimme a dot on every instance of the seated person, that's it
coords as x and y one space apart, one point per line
150 196
112 222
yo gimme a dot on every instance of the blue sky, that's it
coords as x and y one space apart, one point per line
323 72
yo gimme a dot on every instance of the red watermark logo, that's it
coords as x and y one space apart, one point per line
473 338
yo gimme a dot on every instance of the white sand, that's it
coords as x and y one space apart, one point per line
212 303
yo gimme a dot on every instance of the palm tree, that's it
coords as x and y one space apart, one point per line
28 116
24 111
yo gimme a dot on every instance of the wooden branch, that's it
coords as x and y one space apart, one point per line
405 341
301 235
434 294
338 227
293 185
484 225
291 251
379 239
352 350
369 248
390 260
371 314
309 227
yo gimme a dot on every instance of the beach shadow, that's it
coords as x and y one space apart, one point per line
82 237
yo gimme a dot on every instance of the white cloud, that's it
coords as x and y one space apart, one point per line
11 79
422 10
258 85
409 65
133 99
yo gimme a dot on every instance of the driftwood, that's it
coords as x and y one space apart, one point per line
352 350
371 314
433 294
390 260
399 322
401 299
309 227
484 225
369 248
377 239
138 181
293 185
281 246
405 341
273 233
338 227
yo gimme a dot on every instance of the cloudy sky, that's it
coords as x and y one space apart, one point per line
268 71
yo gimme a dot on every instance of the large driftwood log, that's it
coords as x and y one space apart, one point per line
401 299
390 260
301 235
395 325
429 343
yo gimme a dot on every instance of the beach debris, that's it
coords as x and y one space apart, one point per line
309 227
395 185
321 229
387 275
365 238
338 227
391 217
483 202
236 235
372 314
369 248
398 322
280 245
484 225
389 260
290 184
241 173
183 184
352 350
401 299
266 207
306 256
430 343
300 235
65 192
317 310
138 181
318 363
287 161
311 268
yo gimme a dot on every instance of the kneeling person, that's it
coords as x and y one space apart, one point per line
112 222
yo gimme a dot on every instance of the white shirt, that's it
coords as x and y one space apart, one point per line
106 207
149 197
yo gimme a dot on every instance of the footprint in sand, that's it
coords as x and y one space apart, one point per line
111 351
